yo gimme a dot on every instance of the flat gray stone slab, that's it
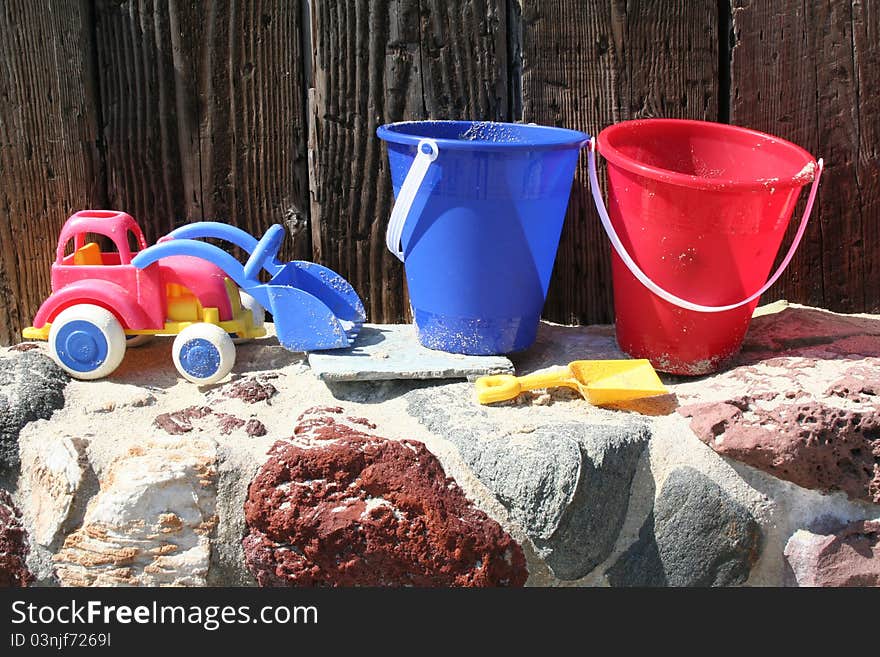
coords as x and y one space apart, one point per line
392 351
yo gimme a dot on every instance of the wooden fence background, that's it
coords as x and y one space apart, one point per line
265 111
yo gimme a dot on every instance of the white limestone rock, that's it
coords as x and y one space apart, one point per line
150 523
52 473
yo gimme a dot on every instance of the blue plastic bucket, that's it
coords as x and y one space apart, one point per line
478 225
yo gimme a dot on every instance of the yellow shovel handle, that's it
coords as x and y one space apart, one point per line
501 387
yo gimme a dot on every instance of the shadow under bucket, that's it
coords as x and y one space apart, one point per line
696 214
478 214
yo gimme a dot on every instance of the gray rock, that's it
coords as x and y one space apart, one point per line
697 535
641 564
567 484
31 388
236 469
392 351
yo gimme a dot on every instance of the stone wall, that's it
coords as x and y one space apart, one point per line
765 474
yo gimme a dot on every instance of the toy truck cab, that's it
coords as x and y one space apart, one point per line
104 278
120 228
101 302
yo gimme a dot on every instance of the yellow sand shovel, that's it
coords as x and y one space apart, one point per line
601 382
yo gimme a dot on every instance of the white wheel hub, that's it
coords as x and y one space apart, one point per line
87 341
203 353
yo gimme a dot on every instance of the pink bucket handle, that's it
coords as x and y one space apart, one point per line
664 294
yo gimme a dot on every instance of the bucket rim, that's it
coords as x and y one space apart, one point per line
617 158
546 137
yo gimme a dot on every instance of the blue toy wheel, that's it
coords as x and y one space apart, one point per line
87 341
203 353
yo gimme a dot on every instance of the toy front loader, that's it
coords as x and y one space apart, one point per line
313 307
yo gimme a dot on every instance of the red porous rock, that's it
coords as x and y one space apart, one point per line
811 444
180 422
255 428
229 423
13 546
802 331
849 557
860 384
250 390
803 403
334 506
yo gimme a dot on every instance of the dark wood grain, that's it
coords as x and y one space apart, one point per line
203 106
773 88
587 65
256 112
841 212
807 72
866 57
49 163
380 62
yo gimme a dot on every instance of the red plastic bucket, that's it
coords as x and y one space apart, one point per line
697 212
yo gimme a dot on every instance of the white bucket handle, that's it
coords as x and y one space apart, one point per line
407 194
659 291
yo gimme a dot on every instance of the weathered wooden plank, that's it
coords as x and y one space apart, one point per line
255 171
806 72
587 65
203 105
375 63
49 163
866 56
841 208
148 120
773 88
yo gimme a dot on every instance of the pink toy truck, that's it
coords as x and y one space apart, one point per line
104 301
